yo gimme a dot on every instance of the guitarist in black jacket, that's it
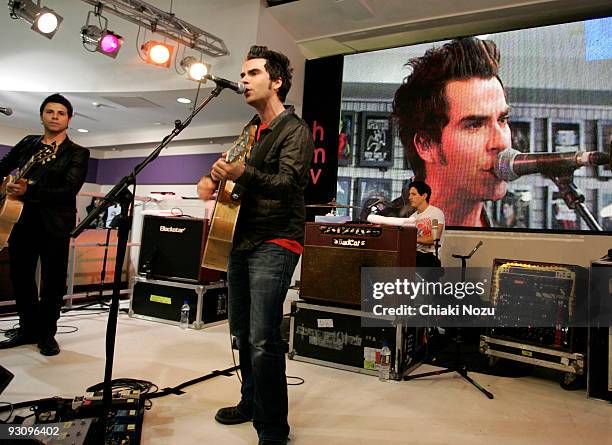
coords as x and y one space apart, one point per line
42 232
267 244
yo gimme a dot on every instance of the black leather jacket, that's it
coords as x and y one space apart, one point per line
273 200
52 198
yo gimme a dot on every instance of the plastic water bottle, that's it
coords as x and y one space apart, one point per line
184 323
385 363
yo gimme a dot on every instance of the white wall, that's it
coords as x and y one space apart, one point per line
567 249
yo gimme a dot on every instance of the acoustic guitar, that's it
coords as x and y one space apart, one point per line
227 207
11 206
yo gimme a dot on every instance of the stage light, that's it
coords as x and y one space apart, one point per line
157 53
44 21
194 68
101 40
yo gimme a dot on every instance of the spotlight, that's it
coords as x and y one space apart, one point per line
101 40
44 21
157 53
195 69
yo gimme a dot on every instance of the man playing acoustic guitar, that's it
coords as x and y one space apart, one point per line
48 193
268 242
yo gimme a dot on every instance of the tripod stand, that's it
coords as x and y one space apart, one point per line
459 367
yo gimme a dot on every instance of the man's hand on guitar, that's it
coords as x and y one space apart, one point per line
207 188
17 188
224 170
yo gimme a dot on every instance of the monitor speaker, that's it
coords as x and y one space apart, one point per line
171 248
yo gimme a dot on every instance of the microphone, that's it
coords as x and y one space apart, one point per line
434 229
511 164
7 111
238 87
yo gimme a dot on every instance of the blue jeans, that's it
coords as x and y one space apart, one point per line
258 284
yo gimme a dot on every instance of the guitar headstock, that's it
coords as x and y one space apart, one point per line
243 144
45 155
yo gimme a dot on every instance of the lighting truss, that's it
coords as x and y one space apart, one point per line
165 24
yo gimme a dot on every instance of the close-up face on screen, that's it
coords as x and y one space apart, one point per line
497 125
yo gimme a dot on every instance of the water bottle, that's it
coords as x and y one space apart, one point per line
385 363
184 323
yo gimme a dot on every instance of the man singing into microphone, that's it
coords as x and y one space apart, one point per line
452 115
268 242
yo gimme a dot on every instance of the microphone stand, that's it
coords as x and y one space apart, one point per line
459 367
574 199
122 196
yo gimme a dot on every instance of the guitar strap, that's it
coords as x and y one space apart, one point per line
260 150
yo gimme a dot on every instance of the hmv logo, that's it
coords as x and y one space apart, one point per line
172 229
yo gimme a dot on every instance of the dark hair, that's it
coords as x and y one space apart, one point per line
422 188
277 65
57 99
420 106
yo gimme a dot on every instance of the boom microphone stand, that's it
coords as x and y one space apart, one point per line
459 367
121 195
574 199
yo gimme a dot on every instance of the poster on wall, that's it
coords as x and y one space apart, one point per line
376 140
343 195
605 209
604 144
346 139
513 210
371 188
566 136
561 216
522 135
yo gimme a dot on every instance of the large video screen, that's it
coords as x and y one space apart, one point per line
556 99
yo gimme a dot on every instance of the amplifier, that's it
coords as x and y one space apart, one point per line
171 248
335 253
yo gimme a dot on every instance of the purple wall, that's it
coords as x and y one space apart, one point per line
179 169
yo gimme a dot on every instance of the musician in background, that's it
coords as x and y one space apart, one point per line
429 221
42 231
268 242
206 192
452 116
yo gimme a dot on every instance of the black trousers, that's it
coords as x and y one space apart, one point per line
427 260
29 242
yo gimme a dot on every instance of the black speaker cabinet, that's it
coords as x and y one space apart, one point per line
599 382
335 253
171 248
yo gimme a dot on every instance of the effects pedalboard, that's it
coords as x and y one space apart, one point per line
79 422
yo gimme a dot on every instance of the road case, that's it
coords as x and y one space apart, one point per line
161 301
333 336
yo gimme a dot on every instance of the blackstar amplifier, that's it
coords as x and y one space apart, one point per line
335 253
171 248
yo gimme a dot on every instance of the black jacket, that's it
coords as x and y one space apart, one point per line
51 200
273 201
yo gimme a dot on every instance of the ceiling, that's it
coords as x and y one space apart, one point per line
138 102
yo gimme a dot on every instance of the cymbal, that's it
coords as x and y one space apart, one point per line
332 204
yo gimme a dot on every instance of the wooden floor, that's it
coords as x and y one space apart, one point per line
332 407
